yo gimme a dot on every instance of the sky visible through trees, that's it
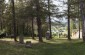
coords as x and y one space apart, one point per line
60 5
34 22
49 12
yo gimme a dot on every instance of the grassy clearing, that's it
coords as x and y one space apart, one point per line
52 47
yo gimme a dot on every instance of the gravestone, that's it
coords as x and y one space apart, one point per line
47 35
21 39
28 44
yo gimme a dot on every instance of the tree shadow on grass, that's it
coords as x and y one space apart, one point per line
74 47
65 48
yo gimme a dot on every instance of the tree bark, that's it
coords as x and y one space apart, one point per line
69 38
79 27
79 19
49 19
82 7
39 21
1 24
1 13
23 27
33 28
14 21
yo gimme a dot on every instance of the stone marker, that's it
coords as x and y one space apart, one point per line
28 44
21 39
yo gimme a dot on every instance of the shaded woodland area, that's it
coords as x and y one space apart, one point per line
42 27
33 18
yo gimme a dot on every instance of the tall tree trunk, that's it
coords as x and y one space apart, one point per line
1 13
49 19
17 29
23 27
82 7
79 19
69 38
33 28
1 24
39 21
79 28
14 21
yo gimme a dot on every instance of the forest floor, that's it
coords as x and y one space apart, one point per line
48 47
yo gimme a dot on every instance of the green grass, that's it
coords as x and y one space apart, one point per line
52 47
